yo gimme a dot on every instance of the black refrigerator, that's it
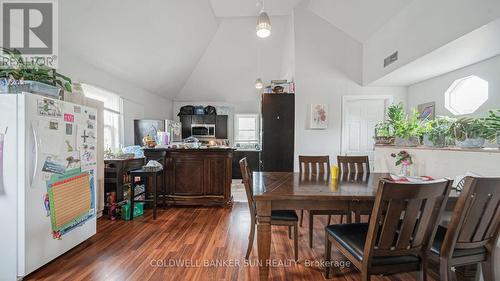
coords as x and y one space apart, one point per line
278 125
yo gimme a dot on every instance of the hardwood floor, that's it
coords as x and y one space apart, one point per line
146 250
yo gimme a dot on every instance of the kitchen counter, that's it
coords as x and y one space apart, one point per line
440 162
195 176
208 149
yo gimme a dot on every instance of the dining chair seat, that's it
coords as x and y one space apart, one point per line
438 242
284 215
353 236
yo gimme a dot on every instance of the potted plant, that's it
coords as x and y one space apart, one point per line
28 71
437 131
383 133
469 132
493 125
408 130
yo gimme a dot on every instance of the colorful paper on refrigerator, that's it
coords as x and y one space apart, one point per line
71 200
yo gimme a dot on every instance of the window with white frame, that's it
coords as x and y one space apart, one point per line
246 128
112 114
466 95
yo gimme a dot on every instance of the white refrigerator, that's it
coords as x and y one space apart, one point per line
47 180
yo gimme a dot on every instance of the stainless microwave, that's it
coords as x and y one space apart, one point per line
203 130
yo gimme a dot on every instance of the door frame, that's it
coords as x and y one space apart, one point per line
389 99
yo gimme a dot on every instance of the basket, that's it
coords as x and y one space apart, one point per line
138 210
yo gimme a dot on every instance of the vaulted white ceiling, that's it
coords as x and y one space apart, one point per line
154 44
250 8
358 18
157 44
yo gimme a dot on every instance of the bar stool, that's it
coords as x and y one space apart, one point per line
154 189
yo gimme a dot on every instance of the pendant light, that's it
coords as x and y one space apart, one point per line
258 84
263 24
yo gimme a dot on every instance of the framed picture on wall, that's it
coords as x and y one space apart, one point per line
427 111
319 116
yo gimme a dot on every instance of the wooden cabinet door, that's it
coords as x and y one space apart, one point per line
216 176
209 119
186 125
187 176
278 132
198 119
221 127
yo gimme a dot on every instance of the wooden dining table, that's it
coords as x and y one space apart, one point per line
293 191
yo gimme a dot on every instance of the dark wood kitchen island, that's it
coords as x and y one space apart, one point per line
197 177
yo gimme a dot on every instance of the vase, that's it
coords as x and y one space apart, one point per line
439 142
405 171
407 142
470 143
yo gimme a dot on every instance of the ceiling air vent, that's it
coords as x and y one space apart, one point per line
390 59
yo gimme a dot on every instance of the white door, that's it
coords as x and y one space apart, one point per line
359 117
8 186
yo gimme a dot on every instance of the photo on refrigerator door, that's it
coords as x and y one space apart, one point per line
71 200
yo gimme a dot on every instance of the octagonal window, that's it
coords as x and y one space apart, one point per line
466 95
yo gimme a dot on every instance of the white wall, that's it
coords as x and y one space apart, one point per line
327 67
226 73
434 89
422 27
234 59
153 106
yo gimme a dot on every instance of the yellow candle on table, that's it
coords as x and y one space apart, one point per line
335 172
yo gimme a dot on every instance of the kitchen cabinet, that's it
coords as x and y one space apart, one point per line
278 122
221 127
195 176
253 159
186 125
220 122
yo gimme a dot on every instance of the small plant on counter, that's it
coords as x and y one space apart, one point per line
493 125
395 114
469 132
409 129
383 133
437 131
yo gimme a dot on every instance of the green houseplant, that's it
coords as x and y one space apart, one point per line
493 126
437 131
26 71
383 133
469 132
408 130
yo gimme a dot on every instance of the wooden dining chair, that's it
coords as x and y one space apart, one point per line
472 234
353 168
398 237
316 168
350 166
278 217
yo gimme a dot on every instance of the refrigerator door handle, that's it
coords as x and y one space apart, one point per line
35 150
4 140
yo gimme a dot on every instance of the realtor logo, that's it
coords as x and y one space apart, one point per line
30 27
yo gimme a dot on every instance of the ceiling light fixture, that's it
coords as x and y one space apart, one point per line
258 84
263 24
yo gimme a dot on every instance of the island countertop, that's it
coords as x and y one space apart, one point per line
208 149
195 176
